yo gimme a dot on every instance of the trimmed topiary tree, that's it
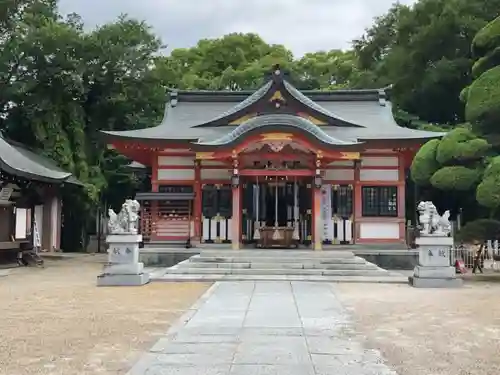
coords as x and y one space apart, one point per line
483 102
487 39
488 191
479 231
424 164
461 145
452 163
458 178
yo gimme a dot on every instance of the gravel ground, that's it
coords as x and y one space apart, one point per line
55 321
429 331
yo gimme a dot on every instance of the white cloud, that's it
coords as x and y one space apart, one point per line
301 25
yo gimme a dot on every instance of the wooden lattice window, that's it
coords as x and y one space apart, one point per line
380 201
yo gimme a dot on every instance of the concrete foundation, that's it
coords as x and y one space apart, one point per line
418 282
122 280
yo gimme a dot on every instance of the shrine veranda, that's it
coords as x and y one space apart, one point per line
274 167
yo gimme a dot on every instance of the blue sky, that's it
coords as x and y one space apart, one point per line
301 25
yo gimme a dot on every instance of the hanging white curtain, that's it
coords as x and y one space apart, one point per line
295 235
256 234
277 233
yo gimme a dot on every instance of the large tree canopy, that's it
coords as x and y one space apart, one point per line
424 51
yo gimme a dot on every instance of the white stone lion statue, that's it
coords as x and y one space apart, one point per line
126 221
431 222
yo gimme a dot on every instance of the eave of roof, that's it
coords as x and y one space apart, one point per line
277 120
17 160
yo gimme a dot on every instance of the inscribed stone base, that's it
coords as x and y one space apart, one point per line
434 272
122 280
418 282
124 269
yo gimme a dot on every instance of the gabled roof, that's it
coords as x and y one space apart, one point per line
349 116
18 160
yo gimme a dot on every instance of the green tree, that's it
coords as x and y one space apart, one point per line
234 62
65 85
452 163
424 51
483 95
482 100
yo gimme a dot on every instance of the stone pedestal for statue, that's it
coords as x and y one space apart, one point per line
433 269
124 268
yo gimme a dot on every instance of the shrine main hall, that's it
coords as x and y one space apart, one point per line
275 167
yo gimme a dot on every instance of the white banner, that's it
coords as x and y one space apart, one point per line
326 212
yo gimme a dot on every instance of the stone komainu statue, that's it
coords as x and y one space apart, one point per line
431 223
127 220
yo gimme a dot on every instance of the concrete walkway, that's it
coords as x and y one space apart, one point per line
263 328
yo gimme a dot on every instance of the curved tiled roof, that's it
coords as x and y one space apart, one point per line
276 120
315 106
20 161
245 103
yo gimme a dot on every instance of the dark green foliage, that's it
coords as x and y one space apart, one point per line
424 51
479 231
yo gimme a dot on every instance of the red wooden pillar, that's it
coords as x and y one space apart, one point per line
317 220
197 201
358 210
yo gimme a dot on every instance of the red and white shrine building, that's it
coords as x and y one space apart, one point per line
310 167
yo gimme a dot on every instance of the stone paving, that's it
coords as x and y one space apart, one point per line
263 328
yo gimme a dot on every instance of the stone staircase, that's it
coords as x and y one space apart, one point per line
293 265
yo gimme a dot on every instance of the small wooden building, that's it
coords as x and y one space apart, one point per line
312 167
29 197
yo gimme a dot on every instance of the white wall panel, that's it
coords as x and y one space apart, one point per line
379 230
339 174
175 160
175 174
215 174
379 175
379 161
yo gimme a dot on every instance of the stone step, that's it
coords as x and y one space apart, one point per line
278 254
271 271
259 265
352 260
385 279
